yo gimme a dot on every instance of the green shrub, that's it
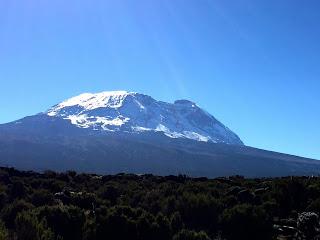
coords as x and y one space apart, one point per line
191 235
246 222
29 228
3 232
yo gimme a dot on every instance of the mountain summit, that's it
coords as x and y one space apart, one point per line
133 112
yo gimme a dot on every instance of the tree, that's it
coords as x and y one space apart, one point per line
29 228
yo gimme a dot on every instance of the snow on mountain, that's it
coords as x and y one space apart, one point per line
135 112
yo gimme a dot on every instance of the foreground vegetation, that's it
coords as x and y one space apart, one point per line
75 206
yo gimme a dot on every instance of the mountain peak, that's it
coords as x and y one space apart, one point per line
133 112
92 101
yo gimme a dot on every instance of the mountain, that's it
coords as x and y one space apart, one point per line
112 132
122 111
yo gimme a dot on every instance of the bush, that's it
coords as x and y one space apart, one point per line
3 232
65 221
191 235
200 211
29 228
246 222
116 226
66 206
17 190
42 197
10 212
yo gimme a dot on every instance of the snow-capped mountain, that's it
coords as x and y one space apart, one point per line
126 132
135 113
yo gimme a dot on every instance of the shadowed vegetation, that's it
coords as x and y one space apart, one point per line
56 206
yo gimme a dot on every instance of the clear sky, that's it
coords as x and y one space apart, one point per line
253 64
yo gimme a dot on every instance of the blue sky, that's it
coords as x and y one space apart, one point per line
255 65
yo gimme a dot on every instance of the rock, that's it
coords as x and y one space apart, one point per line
287 231
288 222
260 191
234 190
308 226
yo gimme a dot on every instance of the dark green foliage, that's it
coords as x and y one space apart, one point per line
176 222
117 225
200 211
191 235
163 228
146 226
42 197
3 232
110 193
314 206
65 221
28 227
63 206
10 212
3 199
246 222
17 190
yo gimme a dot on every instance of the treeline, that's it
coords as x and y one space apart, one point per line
71 206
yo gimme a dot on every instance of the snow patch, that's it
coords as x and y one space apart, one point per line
90 101
85 121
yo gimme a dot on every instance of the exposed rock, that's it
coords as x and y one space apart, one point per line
260 191
234 190
308 226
